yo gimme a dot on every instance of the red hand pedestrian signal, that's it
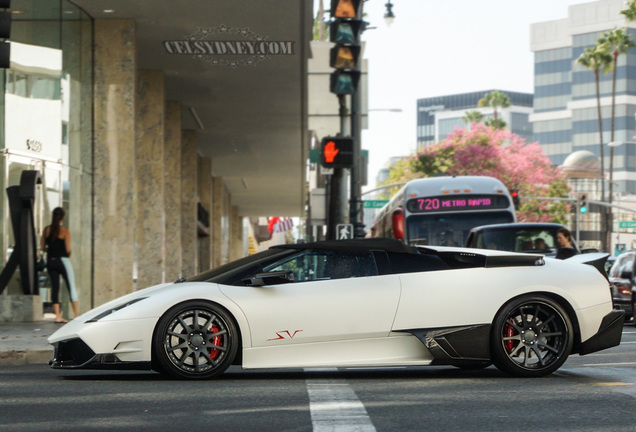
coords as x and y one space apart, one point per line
330 151
336 152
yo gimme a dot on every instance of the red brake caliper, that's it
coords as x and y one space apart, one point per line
217 341
509 331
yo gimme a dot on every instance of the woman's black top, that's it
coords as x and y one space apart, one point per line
56 248
564 253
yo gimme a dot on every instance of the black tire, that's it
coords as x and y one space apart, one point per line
195 340
531 336
634 310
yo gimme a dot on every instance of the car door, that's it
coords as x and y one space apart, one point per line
335 296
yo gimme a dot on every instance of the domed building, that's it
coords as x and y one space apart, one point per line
582 164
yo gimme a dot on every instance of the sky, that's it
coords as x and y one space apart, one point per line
438 48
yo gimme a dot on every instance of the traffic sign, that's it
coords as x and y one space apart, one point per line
374 204
344 231
627 224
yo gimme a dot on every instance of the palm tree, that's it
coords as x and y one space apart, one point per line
495 123
471 117
630 12
619 42
494 100
598 59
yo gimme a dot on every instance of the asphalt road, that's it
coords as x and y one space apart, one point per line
590 393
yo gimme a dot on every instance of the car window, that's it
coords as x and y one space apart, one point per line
325 265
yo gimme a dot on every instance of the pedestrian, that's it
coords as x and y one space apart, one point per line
56 243
564 238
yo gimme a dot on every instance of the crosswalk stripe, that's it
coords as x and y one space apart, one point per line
334 406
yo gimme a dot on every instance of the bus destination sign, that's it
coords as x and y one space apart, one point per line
457 203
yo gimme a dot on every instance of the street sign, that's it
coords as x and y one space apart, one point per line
344 231
374 204
627 224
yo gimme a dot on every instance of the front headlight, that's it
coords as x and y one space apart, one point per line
114 309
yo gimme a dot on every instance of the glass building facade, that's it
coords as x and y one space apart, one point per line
565 118
439 116
46 125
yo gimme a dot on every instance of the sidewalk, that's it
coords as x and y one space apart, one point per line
25 343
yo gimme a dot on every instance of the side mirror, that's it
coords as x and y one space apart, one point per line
271 278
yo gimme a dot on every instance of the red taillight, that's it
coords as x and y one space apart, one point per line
398 224
623 289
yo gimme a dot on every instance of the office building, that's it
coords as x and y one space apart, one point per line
565 118
439 116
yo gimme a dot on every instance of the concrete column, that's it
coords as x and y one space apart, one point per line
205 198
114 157
149 160
236 234
189 202
80 154
216 221
172 190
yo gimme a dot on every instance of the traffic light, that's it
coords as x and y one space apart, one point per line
336 152
5 33
514 193
583 203
344 31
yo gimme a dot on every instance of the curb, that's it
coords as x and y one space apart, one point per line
18 358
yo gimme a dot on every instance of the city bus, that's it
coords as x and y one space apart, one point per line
442 210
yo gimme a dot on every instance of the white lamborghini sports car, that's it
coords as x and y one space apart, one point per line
353 303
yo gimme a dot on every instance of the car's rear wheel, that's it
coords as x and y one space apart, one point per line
531 337
195 340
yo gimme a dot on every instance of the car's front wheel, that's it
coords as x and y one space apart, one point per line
195 340
531 336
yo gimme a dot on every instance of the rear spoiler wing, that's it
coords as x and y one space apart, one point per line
596 260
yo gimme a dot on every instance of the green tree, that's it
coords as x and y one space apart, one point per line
618 42
598 59
471 117
630 12
501 154
495 123
495 100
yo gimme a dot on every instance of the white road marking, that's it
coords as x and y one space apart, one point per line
609 364
334 406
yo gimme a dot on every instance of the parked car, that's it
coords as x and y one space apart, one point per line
528 237
623 282
353 303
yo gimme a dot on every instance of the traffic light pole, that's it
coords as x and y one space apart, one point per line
337 184
355 201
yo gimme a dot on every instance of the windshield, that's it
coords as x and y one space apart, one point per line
221 273
449 229
519 240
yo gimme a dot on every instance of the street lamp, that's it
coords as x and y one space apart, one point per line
389 17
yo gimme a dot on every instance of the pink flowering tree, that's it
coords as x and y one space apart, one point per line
486 151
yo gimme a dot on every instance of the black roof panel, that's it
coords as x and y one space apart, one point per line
354 245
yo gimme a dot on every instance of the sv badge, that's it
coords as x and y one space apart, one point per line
285 334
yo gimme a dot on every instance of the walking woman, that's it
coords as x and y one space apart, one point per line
56 242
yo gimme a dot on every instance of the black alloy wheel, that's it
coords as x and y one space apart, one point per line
195 340
532 336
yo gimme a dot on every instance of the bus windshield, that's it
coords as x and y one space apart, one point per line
449 229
